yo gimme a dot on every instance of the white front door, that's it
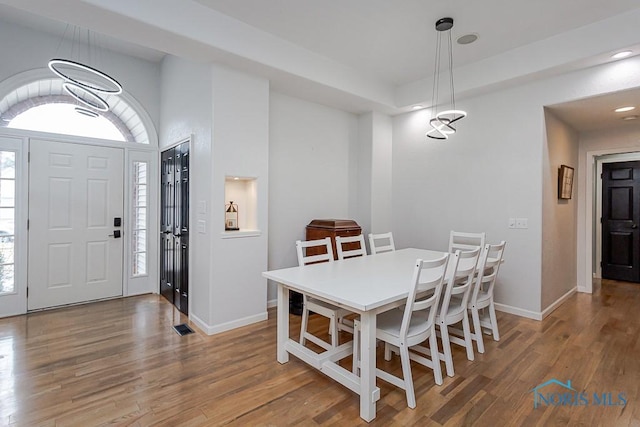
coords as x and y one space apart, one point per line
75 193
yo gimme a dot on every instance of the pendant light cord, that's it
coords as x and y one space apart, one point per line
436 77
451 85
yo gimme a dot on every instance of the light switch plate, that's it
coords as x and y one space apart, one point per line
202 226
512 223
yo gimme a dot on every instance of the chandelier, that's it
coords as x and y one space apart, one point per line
442 122
85 84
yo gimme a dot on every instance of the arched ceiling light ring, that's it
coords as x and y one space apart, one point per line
440 130
455 116
86 112
56 63
436 134
93 101
443 125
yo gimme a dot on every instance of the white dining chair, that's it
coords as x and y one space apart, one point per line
314 305
347 241
453 307
463 241
482 294
404 329
379 243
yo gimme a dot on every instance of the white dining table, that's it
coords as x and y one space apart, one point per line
368 286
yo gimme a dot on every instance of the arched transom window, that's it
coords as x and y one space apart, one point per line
44 106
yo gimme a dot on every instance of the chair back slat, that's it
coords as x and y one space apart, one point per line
302 248
347 241
379 243
463 241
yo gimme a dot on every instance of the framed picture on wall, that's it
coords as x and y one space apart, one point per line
565 182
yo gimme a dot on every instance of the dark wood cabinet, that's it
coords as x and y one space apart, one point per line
321 228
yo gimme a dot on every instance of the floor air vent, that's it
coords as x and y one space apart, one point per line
183 329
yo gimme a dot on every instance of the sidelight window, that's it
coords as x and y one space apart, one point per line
140 211
7 220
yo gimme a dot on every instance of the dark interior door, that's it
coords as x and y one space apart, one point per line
620 219
174 231
166 225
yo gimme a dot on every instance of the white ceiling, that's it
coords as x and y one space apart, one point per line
58 28
360 55
395 40
598 113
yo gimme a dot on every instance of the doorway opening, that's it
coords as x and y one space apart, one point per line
617 208
591 189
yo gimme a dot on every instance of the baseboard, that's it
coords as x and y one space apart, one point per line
547 311
272 303
223 327
533 314
518 311
198 322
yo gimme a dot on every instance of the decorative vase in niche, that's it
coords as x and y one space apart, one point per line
231 217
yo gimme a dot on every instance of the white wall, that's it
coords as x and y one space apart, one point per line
226 113
474 182
240 148
310 155
489 171
186 110
371 176
559 217
28 49
360 172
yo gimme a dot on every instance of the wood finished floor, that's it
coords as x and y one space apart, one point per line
119 363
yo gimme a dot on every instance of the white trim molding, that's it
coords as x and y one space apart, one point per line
534 314
518 311
547 311
227 326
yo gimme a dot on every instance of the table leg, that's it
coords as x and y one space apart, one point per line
368 396
283 323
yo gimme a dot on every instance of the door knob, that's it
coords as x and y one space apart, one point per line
116 234
634 226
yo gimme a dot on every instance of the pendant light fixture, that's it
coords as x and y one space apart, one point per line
84 83
442 122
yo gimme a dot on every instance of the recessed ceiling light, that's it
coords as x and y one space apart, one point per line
236 178
467 38
416 107
627 118
624 109
622 54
